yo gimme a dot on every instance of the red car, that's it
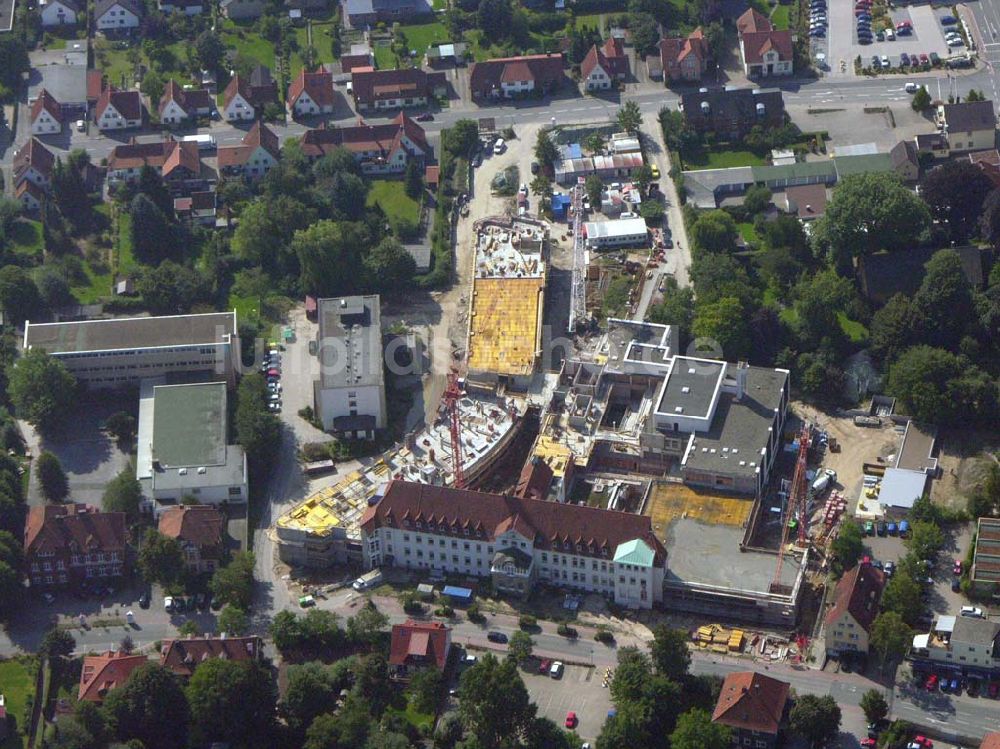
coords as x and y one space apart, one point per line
931 684
993 689
544 666
570 719
869 743
924 59
925 742
957 569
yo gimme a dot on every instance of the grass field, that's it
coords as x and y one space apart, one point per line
592 21
17 683
420 36
384 58
721 158
322 43
125 255
748 233
779 18
391 195
249 44
26 237
855 331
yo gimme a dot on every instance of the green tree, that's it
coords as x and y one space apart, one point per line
69 190
894 328
425 688
629 117
19 298
210 50
819 297
546 151
643 29
323 733
258 431
151 185
816 719
123 493
756 200
170 289
926 539
153 86
414 179
695 730
42 390
123 426
160 559
389 267
594 188
955 192
944 300
890 637
153 236
233 584
989 221
233 621
634 671
670 653
367 625
676 308
902 597
714 231
921 100
150 707
847 547
310 693
940 388
231 701
874 705
57 643
11 590
494 703
264 234
520 646
723 322
328 253
14 62
51 477
494 18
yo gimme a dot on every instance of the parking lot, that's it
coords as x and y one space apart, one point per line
579 690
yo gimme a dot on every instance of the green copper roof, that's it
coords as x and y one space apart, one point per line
634 552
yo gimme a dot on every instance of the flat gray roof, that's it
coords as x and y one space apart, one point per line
691 385
130 333
740 424
67 83
350 341
189 424
915 452
902 487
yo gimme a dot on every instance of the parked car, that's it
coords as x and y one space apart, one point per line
868 743
935 58
817 32
993 689
972 611
932 682
890 569
494 636
869 525
955 41
425 117
881 529
948 20
168 603
904 60
905 31
544 666
885 61
556 670
144 600
893 528
924 59
957 567
956 585
570 719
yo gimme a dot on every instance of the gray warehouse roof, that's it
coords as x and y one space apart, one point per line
350 341
691 385
130 333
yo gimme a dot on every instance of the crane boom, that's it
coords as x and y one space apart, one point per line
798 501
452 394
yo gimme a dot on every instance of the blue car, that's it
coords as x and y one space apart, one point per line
948 20
818 33
955 686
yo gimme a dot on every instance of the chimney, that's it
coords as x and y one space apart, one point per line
742 370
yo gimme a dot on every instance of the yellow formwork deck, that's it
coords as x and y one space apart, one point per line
504 327
671 501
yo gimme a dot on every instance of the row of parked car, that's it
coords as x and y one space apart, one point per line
817 18
271 368
955 685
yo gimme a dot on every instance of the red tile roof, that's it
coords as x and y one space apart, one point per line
432 175
544 70
27 186
858 594
183 656
990 741
370 86
95 85
989 162
755 44
255 96
127 103
674 49
319 86
611 57
424 641
752 21
47 102
50 528
33 153
352 62
552 525
383 138
751 701
102 673
199 525
166 155
190 100
535 479
258 135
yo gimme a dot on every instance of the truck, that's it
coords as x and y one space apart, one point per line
368 580
204 141
823 481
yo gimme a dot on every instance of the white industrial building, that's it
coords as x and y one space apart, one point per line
624 232
349 395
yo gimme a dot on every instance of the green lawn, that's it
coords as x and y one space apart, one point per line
748 233
247 307
98 286
248 44
26 236
721 158
420 36
592 21
17 683
855 331
384 58
391 195
114 63
418 720
126 257
322 43
779 19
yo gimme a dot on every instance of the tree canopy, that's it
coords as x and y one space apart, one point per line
42 390
494 702
150 707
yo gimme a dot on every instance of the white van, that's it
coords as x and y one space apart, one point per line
368 580
499 147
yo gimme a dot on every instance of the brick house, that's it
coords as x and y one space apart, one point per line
73 544
199 530
178 163
395 89
102 673
764 50
46 114
753 707
310 94
385 148
417 645
245 99
118 110
178 105
604 66
855 606
684 59
511 77
182 656
254 156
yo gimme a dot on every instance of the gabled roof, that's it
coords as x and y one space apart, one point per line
127 103
166 155
199 525
674 49
95 85
102 673
258 135
33 154
103 6
46 102
319 87
189 100
427 641
257 91
752 21
183 656
383 138
751 701
542 69
27 186
756 44
370 86
858 594
72 5
610 56
52 528
970 115
553 525
990 741
350 62
535 479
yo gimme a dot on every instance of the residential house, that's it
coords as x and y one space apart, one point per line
684 59
59 12
73 543
732 113
33 162
990 741
454 531
102 673
178 163
310 94
445 54
361 56
905 161
117 15
30 196
254 156
46 114
182 656
307 6
118 110
199 531
417 645
808 202
753 707
961 645
361 13
968 125
186 7
242 10
512 77
855 606
245 99
764 50
95 86
882 275
396 89
989 162
200 207
604 67
385 148
179 105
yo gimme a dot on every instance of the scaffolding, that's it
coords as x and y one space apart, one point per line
578 298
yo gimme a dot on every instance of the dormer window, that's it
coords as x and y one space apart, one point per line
420 525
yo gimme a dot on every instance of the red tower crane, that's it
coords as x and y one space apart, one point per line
798 501
452 394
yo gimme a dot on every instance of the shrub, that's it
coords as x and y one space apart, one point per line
445 611
474 614
604 635
527 621
567 631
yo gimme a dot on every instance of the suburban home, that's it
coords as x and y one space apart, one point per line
361 13
511 77
33 162
310 94
59 12
753 707
242 10
179 105
732 113
905 161
118 110
200 207
73 544
445 54
396 89
30 196
307 6
605 66
855 606
362 58
117 15
178 163
46 114
684 59
182 656
764 50
102 673
199 530
95 86
968 126
416 645
961 646
254 156
245 99
989 162
385 148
